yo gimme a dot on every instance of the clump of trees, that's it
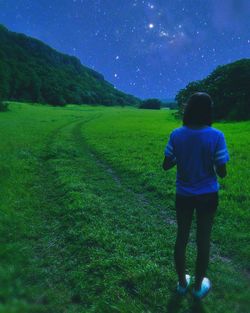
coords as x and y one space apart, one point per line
172 105
33 72
153 104
229 87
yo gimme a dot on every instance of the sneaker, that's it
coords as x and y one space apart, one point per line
205 288
181 290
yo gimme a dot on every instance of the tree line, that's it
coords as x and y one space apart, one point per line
229 87
32 71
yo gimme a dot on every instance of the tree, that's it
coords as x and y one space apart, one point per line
153 104
229 87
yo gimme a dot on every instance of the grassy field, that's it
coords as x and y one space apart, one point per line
87 214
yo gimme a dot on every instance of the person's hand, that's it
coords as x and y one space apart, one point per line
168 163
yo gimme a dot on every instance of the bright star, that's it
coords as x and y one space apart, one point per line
151 25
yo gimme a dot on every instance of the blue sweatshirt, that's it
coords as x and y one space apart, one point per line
196 152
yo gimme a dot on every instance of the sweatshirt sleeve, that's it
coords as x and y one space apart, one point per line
169 149
221 153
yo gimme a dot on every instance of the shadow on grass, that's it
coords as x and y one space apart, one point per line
175 301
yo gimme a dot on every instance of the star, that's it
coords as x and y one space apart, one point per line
151 26
151 6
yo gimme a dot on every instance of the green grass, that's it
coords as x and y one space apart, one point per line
87 214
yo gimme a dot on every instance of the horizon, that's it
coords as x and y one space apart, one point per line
139 46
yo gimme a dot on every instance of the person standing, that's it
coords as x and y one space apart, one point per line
200 153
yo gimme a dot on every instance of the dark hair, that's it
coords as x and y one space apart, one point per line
198 110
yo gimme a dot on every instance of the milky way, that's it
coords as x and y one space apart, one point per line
146 48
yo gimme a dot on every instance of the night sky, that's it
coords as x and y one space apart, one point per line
146 48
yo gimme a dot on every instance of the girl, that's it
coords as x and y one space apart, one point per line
200 152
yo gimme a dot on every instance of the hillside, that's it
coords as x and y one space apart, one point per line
32 71
229 86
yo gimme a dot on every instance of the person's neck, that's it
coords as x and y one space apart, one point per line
197 126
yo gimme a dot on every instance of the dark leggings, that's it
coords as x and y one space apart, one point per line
205 206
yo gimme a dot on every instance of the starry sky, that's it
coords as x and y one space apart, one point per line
145 48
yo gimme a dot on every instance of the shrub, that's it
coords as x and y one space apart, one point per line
153 104
3 106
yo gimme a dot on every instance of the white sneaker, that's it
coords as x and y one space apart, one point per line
205 288
181 290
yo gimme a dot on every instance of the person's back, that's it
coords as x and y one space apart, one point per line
197 151
200 153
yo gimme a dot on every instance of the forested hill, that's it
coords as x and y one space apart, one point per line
32 71
229 86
